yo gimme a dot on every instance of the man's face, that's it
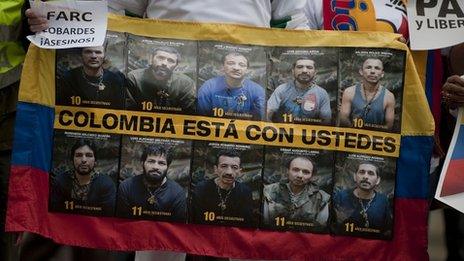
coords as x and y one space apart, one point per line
155 167
300 172
228 169
372 70
163 64
366 178
235 66
84 160
93 57
304 71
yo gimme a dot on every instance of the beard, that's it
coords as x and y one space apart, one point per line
161 72
154 176
83 171
304 79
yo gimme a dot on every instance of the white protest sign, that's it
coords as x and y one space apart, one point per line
435 24
71 24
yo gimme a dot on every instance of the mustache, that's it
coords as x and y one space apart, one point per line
154 171
365 182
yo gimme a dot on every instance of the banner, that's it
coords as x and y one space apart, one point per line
224 141
71 23
450 187
435 24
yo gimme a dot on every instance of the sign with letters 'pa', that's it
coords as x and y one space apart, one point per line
71 24
226 141
435 24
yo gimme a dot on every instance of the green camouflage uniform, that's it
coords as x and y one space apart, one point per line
311 205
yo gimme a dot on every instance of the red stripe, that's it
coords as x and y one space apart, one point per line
28 212
454 180
437 82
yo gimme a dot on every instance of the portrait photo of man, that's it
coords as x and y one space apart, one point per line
152 194
364 206
368 100
296 198
232 93
160 84
81 188
300 97
91 84
230 200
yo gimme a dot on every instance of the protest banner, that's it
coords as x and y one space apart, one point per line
435 24
71 23
451 185
209 170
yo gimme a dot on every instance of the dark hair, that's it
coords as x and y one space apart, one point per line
227 153
81 143
377 169
235 54
168 49
288 160
305 57
156 150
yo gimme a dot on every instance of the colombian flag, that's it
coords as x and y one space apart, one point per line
454 179
31 163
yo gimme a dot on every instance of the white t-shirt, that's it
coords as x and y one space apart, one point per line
247 12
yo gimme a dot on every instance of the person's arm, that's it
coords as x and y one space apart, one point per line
389 109
123 207
289 14
345 109
108 196
273 103
204 100
179 208
257 106
326 112
187 99
314 14
323 215
135 8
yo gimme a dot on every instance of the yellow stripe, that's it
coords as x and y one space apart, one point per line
417 119
225 130
38 77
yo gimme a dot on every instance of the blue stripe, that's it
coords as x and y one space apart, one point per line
33 136
429 77
458 152
413 166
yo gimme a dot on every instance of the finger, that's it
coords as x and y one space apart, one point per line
32 14
402 39
455 98
456 79
455 104
38 28
37 21
453 88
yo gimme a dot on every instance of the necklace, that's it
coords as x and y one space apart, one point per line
152 199
98 84
299 99
364 210
223 200
367 107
